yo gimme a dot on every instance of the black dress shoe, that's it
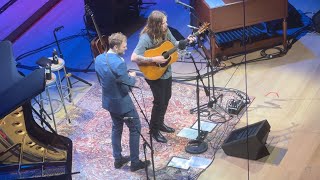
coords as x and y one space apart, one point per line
165 128
140 165
159 137
119 163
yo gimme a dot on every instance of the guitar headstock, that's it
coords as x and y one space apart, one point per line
203 28
88 10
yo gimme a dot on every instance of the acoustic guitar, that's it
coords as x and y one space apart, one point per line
154 71
99 43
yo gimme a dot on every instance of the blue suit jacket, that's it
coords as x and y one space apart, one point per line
115 96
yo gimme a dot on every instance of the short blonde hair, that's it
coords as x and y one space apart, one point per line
116 39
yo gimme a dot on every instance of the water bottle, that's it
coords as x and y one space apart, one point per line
55 58
48 72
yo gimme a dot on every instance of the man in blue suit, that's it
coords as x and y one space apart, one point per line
112 71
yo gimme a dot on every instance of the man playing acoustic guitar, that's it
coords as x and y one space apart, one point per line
154 34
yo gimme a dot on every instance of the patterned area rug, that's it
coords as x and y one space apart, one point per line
90 132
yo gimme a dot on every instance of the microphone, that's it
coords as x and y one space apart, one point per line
121 82
182 44
192 27
58 28
184 4
128 118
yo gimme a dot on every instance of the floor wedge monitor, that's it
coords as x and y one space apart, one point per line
236 143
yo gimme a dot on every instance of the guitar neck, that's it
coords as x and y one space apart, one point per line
98 32
168 53
183 43
174 49
197 33
171 51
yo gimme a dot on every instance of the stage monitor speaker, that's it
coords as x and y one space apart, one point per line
236 143
316 21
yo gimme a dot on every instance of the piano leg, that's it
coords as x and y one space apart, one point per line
213 50
284 26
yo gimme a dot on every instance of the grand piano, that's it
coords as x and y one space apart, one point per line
27 150
226 18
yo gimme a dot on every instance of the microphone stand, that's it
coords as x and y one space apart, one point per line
65 71
90 38
212 100
186 6
145 143
198 146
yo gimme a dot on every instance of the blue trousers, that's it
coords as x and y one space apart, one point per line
134 126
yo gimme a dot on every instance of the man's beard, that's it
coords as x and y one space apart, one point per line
120 53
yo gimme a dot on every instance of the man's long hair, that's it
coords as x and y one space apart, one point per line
154 27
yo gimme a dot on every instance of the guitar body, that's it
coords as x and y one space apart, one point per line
97 46
154 71
169 52
100 43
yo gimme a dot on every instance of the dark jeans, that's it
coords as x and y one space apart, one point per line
161 90
134 139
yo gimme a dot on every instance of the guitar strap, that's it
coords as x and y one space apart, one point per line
113 73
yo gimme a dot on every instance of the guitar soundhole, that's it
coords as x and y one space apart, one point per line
166 56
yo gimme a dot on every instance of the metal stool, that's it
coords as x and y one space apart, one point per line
57 68
49 83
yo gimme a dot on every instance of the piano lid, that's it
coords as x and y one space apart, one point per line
15 89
